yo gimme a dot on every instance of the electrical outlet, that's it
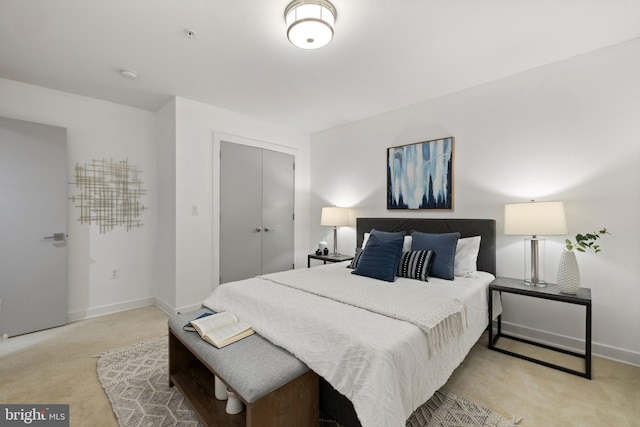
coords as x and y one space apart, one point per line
115 273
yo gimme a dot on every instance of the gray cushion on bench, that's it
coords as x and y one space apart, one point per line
253 366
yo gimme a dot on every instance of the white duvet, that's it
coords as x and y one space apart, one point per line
383 365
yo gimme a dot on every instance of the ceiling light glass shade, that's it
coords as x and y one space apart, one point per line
310 23
535 219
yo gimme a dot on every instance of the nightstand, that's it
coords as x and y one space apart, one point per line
328 258
551 292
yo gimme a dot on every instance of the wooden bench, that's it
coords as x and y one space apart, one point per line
276 388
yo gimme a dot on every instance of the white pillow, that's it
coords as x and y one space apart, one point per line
406 244
465 262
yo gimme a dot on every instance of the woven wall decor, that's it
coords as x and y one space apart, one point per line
110 194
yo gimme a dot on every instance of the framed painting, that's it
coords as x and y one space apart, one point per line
420 175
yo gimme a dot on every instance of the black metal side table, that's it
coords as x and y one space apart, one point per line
551 292
328 258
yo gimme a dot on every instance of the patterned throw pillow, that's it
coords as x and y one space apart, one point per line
415 265
356 258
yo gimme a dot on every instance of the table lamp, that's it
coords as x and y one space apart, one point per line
534 219
335 217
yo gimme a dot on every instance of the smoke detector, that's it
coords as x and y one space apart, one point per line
129 75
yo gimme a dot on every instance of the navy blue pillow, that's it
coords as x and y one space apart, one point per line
444 251
386 235
380 258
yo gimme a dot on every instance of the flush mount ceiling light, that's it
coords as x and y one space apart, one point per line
310 23
129 74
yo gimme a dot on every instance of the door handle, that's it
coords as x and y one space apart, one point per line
57 237
258 229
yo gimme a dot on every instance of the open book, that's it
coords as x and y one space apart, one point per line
222 328
189 327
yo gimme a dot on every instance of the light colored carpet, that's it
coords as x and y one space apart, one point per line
135 380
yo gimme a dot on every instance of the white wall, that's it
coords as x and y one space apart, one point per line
568 131
169 261
197 237
96 130
164 277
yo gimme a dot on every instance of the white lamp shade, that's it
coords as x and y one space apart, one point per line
535 219
335 217
310 23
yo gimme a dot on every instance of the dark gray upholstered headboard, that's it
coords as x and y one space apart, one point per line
466 227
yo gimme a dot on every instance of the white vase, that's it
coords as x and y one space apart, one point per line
568 273
234 405
220 390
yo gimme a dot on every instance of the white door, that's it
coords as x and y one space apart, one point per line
33 207
256 211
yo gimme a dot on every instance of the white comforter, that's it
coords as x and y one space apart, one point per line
380 363
439 314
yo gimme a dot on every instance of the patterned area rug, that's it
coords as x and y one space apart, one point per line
135 380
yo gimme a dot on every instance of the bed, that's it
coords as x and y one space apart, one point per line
380 354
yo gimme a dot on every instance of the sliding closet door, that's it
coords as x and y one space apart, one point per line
256 211
240 212
277 211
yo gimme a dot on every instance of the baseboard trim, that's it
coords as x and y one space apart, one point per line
571 343
171 310
188 308
74 316
164 306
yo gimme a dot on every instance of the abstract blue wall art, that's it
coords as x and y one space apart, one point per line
420 176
